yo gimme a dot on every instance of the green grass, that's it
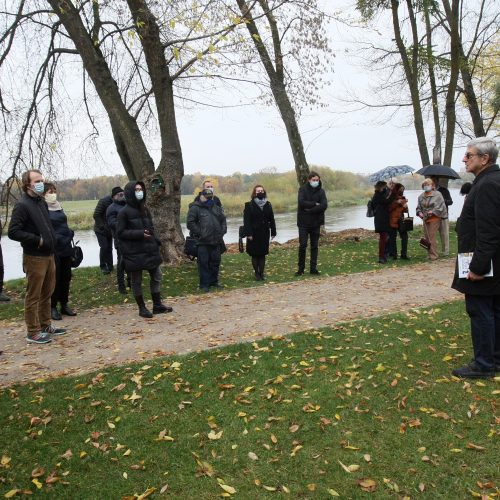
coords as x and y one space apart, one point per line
89 288
273 419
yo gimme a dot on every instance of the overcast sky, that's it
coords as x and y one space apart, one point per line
250 138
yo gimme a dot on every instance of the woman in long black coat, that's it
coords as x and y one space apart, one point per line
140 247
381 200
62 255
258 220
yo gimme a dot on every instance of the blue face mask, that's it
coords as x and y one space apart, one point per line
139 195
427 189
39 187
314 184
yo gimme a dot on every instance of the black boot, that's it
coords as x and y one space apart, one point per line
144 312
65 309
54 314
158 306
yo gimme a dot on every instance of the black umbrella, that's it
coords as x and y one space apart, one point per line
438 171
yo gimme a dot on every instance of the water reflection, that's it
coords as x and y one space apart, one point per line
336 219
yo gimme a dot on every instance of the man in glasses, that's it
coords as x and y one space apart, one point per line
478 231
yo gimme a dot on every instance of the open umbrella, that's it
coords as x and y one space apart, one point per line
438 171
390 172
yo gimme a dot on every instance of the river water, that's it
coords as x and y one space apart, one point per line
336 219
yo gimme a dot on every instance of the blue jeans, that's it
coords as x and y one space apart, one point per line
484 313
208 264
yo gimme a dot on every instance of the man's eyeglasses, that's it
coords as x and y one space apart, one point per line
470 155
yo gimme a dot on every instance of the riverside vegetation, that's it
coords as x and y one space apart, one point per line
364 407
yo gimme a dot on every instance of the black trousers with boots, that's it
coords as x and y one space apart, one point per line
259 263
63 281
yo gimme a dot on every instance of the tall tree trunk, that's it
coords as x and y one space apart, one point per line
275 73
470 94
411 72
165 204
436 150
452 14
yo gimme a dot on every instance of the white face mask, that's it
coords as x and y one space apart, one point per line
314 184
139 195
51 197
427 189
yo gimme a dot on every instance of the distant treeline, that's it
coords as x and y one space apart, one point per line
237 183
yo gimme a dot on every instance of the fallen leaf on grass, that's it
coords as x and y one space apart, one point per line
212 435
332 492
368 485
349 468
252 456
472 446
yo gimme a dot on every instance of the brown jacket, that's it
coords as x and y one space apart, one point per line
396 211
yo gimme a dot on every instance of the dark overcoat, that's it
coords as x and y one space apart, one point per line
381 201
259 224
138 252
311 206
478 231
64 234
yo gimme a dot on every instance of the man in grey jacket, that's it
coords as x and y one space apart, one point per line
207 223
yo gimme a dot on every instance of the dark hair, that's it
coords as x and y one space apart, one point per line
254 194
380 185
465 188
48 186
25 179
396 187
313 174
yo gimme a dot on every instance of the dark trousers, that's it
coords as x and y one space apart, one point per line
208 265
63 280
392 246
382 242
484 313
120 270
1 270
105 251
304 234
259 264
154 281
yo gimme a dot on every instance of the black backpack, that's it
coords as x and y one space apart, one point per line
76 254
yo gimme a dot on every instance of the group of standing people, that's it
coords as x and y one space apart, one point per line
389 205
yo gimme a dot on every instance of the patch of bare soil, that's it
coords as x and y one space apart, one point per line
116 335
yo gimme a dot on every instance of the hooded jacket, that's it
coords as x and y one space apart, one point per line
29 222
206 222
63 233
138 252
311 206
112 217
478 231
381 201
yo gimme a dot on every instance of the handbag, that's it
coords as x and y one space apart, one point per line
76 254
405 224
190 247
241 235
370 211
425 243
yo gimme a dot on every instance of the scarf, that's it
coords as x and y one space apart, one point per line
260 203
53 207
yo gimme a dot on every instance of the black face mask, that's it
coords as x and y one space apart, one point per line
261 196
208 194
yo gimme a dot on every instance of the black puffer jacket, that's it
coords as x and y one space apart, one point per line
311 206
381 201
206 223
478 231
138 252
112 217
260 225
100 223
64 234
29 222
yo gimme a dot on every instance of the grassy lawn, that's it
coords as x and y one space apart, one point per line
90 288
365 406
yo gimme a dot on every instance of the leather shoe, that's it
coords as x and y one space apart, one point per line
65 309
54 314
472 370
299 273
314 271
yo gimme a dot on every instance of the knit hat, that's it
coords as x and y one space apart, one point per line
116 190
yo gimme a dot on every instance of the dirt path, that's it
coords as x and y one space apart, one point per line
115 335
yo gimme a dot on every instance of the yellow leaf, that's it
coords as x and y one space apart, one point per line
83 454
228 489
125 475
37 483
269 488
212 435
4 462
332 492
252 456
127 453
368 485
456 450
111 425
367 458
293 428
11 493
249 389
380 367
447 358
